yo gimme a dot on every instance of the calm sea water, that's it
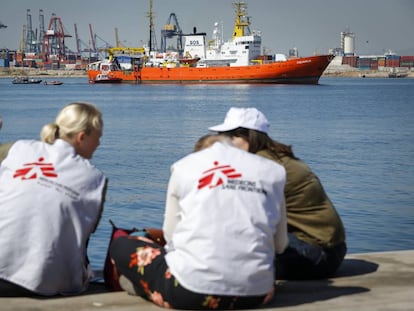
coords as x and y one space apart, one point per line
356 134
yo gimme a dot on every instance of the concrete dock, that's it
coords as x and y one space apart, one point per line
365 282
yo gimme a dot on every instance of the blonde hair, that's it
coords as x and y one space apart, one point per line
72 119
208 140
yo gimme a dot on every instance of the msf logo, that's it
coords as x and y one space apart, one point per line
218 175
35 169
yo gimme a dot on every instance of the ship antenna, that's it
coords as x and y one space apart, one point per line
242 22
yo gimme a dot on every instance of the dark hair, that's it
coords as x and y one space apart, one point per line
261 141
208 140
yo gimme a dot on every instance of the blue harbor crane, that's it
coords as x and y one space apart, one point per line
172 29
31 43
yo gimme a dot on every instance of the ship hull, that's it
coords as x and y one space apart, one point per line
304 70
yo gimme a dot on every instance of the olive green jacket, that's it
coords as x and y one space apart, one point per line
310 213
4 150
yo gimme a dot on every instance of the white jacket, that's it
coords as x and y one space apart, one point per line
50 202
224 209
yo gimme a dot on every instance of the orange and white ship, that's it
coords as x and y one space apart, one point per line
238 60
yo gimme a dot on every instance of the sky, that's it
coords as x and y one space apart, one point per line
312 26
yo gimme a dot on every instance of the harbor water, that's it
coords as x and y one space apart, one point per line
356 134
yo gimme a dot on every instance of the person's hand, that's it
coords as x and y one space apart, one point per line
269 296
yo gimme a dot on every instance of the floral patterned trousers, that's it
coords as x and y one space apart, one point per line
142 262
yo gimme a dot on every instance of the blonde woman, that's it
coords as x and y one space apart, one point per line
51 199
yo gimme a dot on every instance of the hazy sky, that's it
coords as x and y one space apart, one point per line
309 25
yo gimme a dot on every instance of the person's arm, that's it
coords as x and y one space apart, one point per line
281 238
102 205
172 209
4 150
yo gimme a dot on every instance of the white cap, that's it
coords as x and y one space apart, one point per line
249 118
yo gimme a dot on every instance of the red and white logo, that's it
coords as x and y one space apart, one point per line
35 169
218 175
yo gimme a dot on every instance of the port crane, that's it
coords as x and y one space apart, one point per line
31 44
118 43
54 47
172 29
81 46
31 40
94 43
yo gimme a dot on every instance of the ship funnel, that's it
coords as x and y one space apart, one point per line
194 30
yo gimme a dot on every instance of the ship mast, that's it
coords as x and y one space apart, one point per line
242 22
152 43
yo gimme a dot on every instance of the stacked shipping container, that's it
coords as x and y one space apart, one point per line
364 63
407 61
350 60
5 58
392 61
376 62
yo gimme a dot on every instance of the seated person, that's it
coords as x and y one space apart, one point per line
316 234
51 199
224 221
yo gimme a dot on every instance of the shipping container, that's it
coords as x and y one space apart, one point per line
29 63
364 61
392 57
350 60
407 59
47 66
4 54
406 64
381 61
393 62
19 57
4 63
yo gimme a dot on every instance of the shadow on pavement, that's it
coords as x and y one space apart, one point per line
353 267
293 293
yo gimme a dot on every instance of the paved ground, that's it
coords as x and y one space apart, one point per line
365 282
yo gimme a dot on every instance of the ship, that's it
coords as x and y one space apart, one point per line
238 60
25 80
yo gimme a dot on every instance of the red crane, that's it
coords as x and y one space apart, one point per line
54 48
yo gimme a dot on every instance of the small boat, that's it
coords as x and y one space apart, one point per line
395 73
54 82
106 78
189 60
26 80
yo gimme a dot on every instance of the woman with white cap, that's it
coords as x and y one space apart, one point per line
224 221
316 233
